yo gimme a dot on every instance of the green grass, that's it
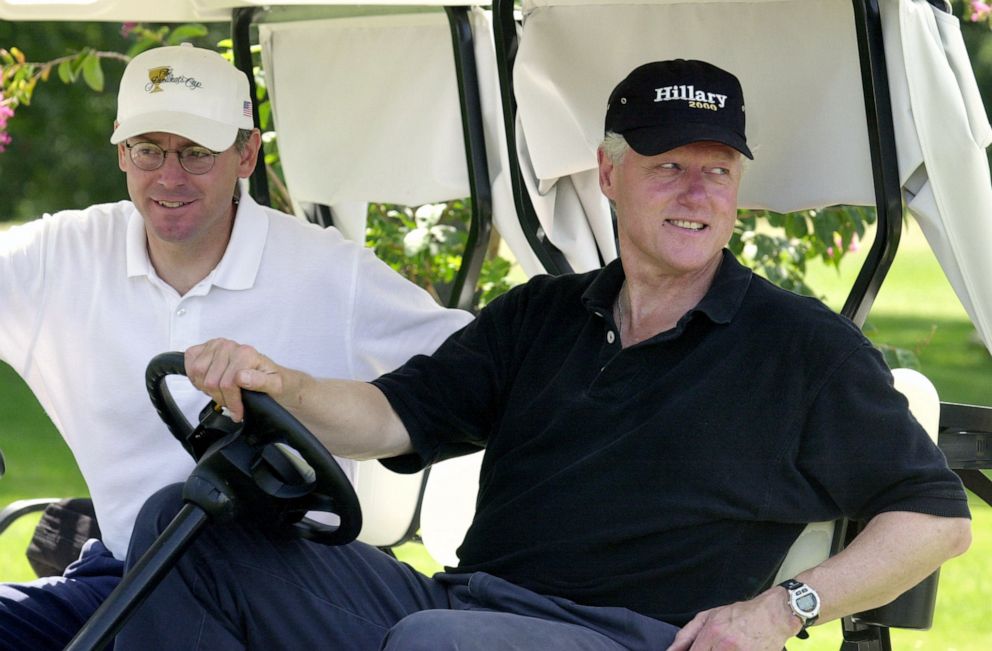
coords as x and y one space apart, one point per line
916 309
39 464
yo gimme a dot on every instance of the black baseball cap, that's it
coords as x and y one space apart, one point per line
666 104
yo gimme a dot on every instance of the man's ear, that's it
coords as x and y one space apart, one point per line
121 152
606 170
122 156
250 154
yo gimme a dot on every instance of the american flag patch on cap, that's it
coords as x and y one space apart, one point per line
246 109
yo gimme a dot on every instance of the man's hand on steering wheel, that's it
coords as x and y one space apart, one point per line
269 470
221 368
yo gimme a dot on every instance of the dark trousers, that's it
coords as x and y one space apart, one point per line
46 613
238 588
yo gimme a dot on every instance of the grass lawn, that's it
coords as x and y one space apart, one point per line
916 309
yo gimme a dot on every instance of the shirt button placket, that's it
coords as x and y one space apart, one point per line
185 326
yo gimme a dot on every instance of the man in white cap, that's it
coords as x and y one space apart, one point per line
90 296
656 435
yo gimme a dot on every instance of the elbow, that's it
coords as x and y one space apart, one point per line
958 537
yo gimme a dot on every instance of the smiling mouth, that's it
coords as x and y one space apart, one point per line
172 204
686 224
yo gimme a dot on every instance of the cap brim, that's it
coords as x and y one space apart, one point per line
203 131
650 141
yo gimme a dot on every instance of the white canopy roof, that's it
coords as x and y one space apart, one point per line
167 11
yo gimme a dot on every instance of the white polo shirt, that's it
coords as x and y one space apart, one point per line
82 311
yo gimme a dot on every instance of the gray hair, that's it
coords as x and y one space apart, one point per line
242 138
614 146
240 141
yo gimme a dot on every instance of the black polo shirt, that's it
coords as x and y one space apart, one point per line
671 476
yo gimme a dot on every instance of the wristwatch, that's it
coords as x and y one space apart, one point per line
804 602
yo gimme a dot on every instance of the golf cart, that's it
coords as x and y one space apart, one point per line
855 102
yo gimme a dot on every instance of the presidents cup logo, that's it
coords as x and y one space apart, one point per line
157 76
696 98
164 75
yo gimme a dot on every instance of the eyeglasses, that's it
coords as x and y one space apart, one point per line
194 159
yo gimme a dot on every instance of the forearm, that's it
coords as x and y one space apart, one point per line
894 552
353 419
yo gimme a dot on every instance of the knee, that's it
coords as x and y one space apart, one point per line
154 516
428 630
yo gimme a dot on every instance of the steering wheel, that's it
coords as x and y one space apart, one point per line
269 469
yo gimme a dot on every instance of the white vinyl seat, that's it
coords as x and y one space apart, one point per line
389 503
449 505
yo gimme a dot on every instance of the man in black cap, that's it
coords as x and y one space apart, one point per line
657 433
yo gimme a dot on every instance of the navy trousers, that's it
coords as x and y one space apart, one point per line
238 588
45 614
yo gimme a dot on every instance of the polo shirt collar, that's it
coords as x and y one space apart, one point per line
242 258
720 304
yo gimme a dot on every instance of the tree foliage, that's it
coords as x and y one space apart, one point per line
59 155
426 245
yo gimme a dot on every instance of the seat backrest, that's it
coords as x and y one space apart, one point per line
449 505
453 485
389 503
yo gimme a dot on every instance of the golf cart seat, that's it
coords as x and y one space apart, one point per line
452 487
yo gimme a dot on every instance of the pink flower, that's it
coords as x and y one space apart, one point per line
5 114
979 10
127 28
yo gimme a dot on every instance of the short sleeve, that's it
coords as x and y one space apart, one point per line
450 402
862 447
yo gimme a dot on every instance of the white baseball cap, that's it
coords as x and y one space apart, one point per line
185 90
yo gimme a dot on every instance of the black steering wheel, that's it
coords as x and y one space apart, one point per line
268 470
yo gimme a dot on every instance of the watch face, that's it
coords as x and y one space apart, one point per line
806 603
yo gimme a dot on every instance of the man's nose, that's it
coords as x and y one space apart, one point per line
694 189
172 172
